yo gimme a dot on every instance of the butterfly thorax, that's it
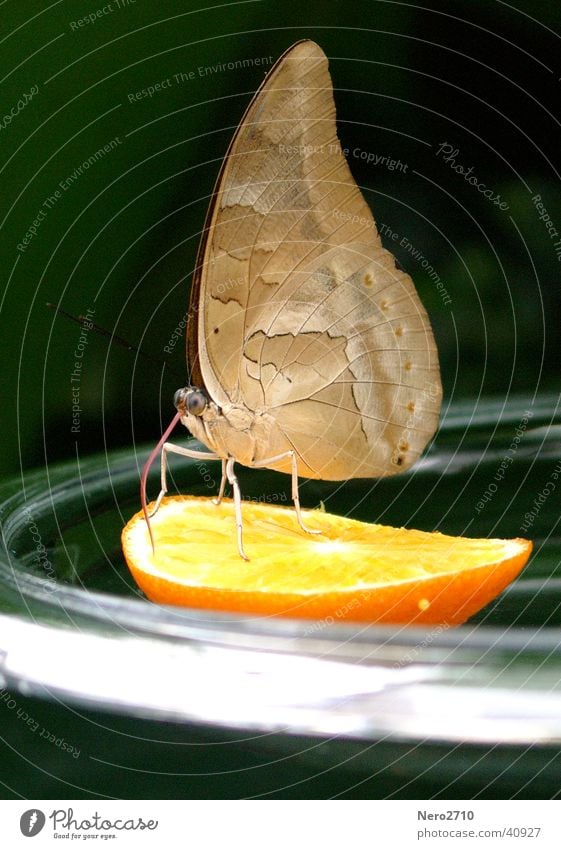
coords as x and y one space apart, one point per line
230 431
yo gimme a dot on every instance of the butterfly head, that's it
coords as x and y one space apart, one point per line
198 412
190 401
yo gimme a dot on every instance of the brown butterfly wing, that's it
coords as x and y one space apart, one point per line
305 314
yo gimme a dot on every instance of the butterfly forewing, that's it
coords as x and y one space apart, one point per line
302 314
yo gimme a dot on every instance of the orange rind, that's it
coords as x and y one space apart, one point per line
350 572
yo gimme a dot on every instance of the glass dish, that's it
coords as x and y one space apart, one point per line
74 626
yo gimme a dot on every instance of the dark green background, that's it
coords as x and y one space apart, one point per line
483 76
122 239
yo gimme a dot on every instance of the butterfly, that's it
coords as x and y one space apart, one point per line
309 351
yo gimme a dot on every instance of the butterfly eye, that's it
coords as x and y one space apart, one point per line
179 399
195 402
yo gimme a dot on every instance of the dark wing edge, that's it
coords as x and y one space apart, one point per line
194 372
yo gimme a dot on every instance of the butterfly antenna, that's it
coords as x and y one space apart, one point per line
118 340
144 476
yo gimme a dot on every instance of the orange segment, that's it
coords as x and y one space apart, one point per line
352 571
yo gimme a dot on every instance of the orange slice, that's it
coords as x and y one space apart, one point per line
352 571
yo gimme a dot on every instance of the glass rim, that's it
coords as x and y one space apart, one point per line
470 683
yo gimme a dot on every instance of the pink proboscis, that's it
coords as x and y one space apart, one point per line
144 476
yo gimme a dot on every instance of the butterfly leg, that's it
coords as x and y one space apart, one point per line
169 447
295 493
223 479
233 481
